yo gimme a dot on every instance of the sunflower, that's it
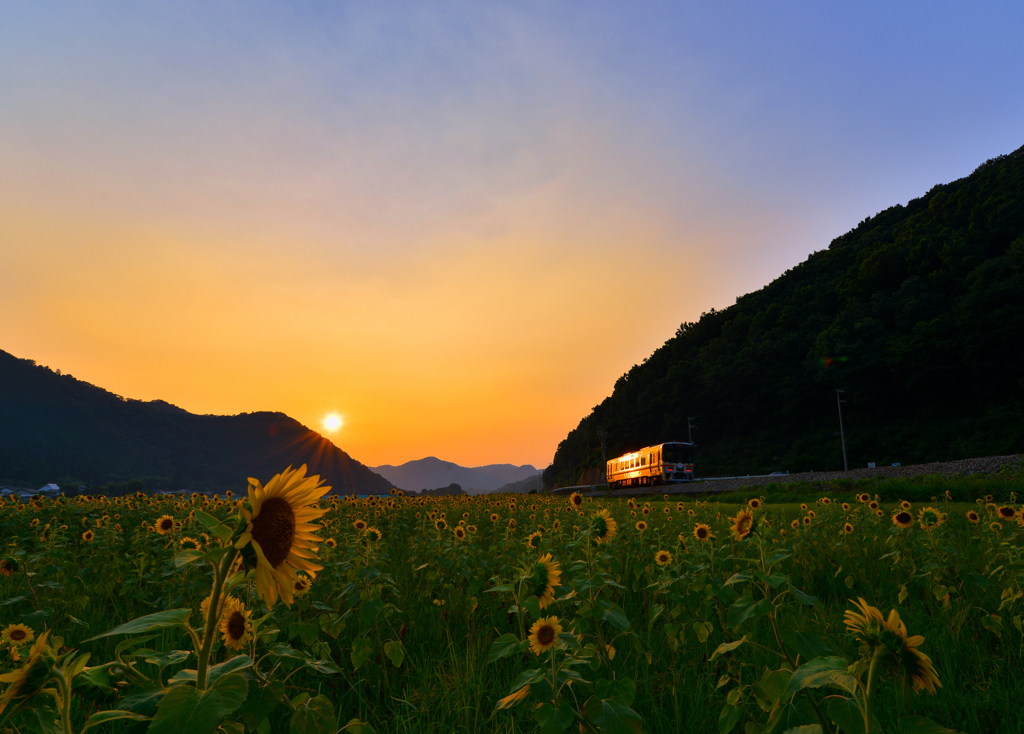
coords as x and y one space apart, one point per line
359 525
754 503
929 518
803 507
8 567
903 519
331 543
641 526
372 534
846 507
513 698
17 634
533 541
543 578
873 505
165 524
302 584
30 677
1006 513
235 625
472 528
825 501
702 532
280 531
576 499
847 528
460 532
603 526
880 513
795 524
544 634
511 523
866 626
189 543
888 638
88 535
863 498
646 511
995 527
34 523
494 517
904 505
742 524
663 558
973 516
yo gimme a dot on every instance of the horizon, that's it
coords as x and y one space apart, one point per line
451 228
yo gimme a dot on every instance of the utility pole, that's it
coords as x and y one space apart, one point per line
842 436
689 428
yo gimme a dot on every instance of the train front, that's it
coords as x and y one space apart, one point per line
677 462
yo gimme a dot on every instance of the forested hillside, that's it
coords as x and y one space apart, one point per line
917 314
56 428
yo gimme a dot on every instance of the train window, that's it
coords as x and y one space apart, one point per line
643 461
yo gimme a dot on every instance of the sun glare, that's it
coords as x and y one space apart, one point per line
332 422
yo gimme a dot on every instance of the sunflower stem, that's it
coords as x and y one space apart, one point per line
869 696
213 618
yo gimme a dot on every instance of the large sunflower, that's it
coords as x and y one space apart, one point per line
702 532
165 524
544 577
544 634
603 526
281 532
17 634
235 625
31 676
742 524
903 519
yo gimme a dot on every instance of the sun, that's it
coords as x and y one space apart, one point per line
332 422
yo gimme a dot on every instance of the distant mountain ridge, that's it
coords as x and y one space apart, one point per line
432 472
54 426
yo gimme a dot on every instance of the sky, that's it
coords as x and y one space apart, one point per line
452 225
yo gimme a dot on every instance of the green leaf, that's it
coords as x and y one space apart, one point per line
528 677
186 557
728 719
656 611
728 647
744 610
104 716
218 527
993 623
738 578
811 601
170 618
98 677
395 652
846 715
702 630
355 726
615 618
326 667
185 710
922 725
142 702
506 645
259 702
362 650
811 675
805 729
554 720
808 645
614 718
313 716
232 665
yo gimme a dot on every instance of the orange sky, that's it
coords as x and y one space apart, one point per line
455 227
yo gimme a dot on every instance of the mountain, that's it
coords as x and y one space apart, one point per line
53 426
916 314
433 472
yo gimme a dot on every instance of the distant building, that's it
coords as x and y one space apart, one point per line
50 491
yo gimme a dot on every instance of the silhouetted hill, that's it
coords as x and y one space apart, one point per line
433 472
917 314
54 426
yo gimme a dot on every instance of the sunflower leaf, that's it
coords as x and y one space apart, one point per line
504 646
185 710
169 618
104 716
921 725
815 674
313 715
186 557
218 527
728 647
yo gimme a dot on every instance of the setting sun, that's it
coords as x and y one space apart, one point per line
332 422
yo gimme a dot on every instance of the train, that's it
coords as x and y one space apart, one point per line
664 463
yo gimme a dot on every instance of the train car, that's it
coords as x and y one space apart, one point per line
665 463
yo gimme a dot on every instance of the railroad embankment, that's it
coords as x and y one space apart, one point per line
964 467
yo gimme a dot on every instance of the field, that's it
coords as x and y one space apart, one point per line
518 613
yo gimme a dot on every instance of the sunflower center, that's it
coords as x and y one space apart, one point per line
546 634
166 524
18 635
274 529
236 625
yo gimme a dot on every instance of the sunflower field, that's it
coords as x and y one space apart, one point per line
288 609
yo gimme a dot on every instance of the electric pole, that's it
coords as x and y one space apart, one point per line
689 428
602 435
842 436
